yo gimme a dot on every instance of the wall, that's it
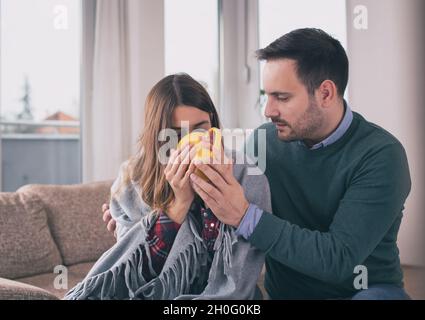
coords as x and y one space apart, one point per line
386 86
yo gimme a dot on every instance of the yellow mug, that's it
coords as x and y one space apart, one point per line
203 154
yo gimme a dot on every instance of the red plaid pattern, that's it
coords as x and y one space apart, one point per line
161 237
209 228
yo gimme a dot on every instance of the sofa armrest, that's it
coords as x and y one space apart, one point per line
14 290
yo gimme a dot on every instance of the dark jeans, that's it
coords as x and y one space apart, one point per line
382 292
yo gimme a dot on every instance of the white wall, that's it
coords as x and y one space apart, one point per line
386 87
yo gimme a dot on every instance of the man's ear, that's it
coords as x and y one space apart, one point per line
326 93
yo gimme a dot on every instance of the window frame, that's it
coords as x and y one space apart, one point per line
88 28
1 141
239 69
82 33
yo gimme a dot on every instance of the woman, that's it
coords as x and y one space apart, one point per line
170 246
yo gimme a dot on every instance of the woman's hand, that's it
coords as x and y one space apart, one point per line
177 173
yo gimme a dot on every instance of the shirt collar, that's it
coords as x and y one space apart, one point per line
339 131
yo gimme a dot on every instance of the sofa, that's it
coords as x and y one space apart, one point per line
50 236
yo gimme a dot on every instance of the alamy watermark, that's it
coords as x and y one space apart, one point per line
360 21
60 17
252 154
60 282
361 280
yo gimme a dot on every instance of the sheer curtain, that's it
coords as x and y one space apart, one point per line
123 57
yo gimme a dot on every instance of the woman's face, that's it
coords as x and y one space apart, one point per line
189 118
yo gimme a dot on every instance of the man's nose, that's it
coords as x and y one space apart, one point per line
271 111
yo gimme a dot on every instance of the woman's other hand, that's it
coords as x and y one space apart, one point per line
177 173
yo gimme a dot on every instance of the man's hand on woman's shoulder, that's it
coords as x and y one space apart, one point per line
111 224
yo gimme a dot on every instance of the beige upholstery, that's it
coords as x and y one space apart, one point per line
75 219
44 226
46 281
13 290
26 245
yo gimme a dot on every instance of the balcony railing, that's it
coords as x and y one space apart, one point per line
42 152
43 123
27 129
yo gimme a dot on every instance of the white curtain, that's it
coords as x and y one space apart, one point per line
122 72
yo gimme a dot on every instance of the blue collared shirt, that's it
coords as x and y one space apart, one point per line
253 214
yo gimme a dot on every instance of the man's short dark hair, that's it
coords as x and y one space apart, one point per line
319 57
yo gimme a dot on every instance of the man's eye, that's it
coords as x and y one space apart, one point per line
282 99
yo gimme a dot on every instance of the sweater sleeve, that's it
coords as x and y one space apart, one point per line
372 202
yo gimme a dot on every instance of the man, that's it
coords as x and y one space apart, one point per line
338 182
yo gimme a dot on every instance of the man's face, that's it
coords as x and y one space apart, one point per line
295 114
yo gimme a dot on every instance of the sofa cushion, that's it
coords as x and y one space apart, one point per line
14 290
75 274
75 218
26 244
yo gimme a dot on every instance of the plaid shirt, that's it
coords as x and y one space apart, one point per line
162 233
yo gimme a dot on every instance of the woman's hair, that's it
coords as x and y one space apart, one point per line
144 168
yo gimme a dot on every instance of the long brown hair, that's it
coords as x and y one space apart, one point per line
144 168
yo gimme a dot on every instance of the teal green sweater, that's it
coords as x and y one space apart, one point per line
333 208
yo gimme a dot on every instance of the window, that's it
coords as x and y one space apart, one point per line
40 92
277 17
191 41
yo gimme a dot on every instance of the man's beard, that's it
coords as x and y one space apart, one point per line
305 127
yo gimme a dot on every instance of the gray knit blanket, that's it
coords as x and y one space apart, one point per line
186 274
